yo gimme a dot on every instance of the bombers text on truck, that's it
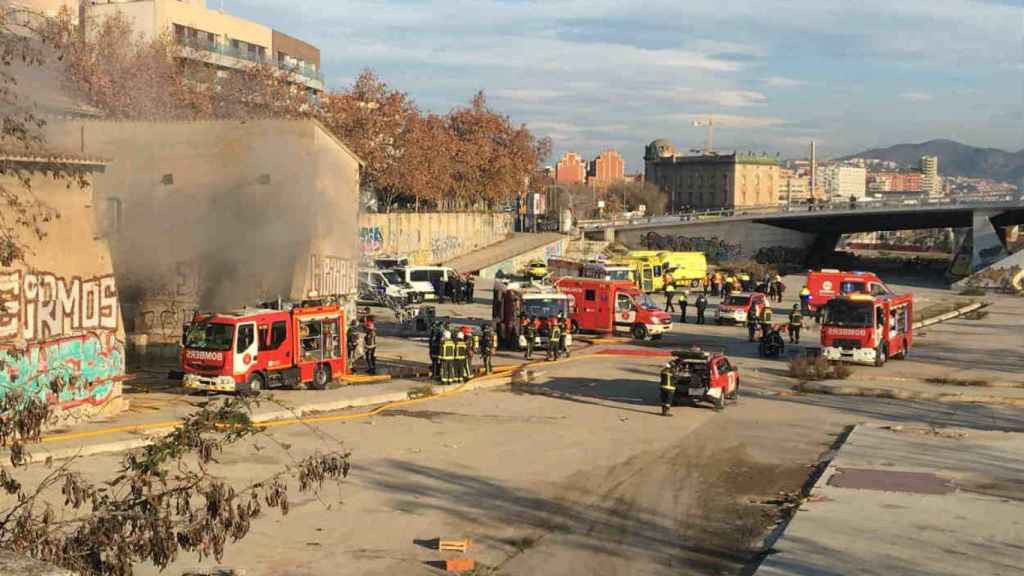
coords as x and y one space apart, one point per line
251 349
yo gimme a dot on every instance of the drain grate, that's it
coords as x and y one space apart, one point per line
891 481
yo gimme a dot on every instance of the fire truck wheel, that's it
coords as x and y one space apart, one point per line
735 396
720 403
880 355
639 332
321 377
574 328
253 386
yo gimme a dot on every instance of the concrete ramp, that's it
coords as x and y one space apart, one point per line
1005 275
510 248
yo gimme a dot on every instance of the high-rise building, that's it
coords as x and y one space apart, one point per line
894 182
214 37
930 182
571 169
841 182
711 181
607 168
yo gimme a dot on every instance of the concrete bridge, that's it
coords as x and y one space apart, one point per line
815 233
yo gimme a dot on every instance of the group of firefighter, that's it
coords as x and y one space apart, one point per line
452 351
557 329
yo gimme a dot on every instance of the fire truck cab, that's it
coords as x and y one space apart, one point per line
827 284
514 301
251 349
867 329
609 306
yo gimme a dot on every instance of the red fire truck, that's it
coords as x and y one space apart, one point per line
251 349
610 306
867 329
827 284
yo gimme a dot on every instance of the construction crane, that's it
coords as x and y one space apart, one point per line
709 138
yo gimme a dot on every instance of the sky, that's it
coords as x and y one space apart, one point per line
598 74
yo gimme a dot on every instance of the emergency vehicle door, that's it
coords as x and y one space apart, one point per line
879 324
625 310
273 350
726 375
646 278
246 347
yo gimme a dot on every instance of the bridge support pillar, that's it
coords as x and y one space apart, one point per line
981 246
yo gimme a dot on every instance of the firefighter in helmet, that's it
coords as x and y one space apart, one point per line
668 390
766 320
447 357
488 346
752 321
530 333
566 330
554 338
436 333
472 341
370 341
459 367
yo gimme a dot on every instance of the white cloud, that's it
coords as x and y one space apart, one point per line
712 97
916 97
783 82
528 94
730 120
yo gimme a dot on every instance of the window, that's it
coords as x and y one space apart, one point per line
278 333
878 289
879 317
623 303
246 335
419 276
589 295
851 287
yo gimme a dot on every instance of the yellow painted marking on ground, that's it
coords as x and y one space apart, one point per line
365 378
499 372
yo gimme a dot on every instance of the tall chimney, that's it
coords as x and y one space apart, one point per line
814 169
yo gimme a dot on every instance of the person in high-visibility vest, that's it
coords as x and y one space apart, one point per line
796 322
565 339
766 320
488 346
805 300
531 335
684 302
670 289
668 390
554 339
459 368
447 358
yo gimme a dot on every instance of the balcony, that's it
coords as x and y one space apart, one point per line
228 56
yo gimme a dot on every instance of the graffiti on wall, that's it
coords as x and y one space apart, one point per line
67 351
371 239
40 306
331 275
781 256
714 248
444 246
68 372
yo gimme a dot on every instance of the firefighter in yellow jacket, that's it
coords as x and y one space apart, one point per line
447 358
461 353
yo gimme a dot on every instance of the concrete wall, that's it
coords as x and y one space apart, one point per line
215 215
720 241
60 324
428 238
516 264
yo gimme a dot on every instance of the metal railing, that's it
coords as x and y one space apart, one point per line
249 56
981 201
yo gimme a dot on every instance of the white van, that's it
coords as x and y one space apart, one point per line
390 262
422 278
372 282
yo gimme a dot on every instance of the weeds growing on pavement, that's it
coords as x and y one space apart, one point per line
818 368
162 500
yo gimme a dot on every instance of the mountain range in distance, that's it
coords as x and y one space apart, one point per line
955 159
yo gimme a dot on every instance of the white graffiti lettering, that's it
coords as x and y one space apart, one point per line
331 275
44 306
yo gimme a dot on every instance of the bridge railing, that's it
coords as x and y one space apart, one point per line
980 201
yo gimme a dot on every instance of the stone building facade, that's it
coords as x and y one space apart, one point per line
712 181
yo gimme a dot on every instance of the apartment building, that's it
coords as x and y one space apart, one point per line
215 37
712 181
571 169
